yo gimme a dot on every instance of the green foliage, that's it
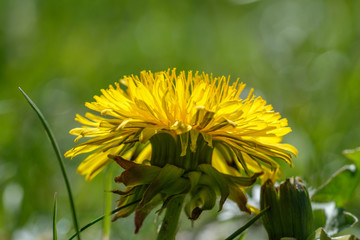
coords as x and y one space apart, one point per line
300 56
102 217
335 222
354 155
340 187
339 220
320 234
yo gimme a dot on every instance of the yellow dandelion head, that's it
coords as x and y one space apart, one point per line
245 133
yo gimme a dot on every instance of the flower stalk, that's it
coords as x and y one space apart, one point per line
108 179
170 222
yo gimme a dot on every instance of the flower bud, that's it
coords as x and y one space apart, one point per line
290 213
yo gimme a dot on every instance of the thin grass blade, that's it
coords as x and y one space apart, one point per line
247 225
59 158
102 217
54 218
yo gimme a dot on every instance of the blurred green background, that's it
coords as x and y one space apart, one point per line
303 57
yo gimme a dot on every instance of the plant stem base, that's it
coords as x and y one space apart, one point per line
170 223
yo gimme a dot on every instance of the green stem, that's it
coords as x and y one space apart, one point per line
102 217
247 225
54 218
59 158
108 202
170 223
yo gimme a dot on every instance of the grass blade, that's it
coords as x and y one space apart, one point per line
59 158
54 218
102 217
247 225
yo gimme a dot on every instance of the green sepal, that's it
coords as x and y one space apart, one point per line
164 149
208 181
238 196
203 198
184 139
243 181
194 178
138 175
220 181
125 164
168 175
181 185
142 212
136 193
123 193
193 140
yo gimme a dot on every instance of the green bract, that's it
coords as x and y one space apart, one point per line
170 174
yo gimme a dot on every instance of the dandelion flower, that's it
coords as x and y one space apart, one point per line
184 134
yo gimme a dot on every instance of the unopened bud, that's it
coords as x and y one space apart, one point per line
290 213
